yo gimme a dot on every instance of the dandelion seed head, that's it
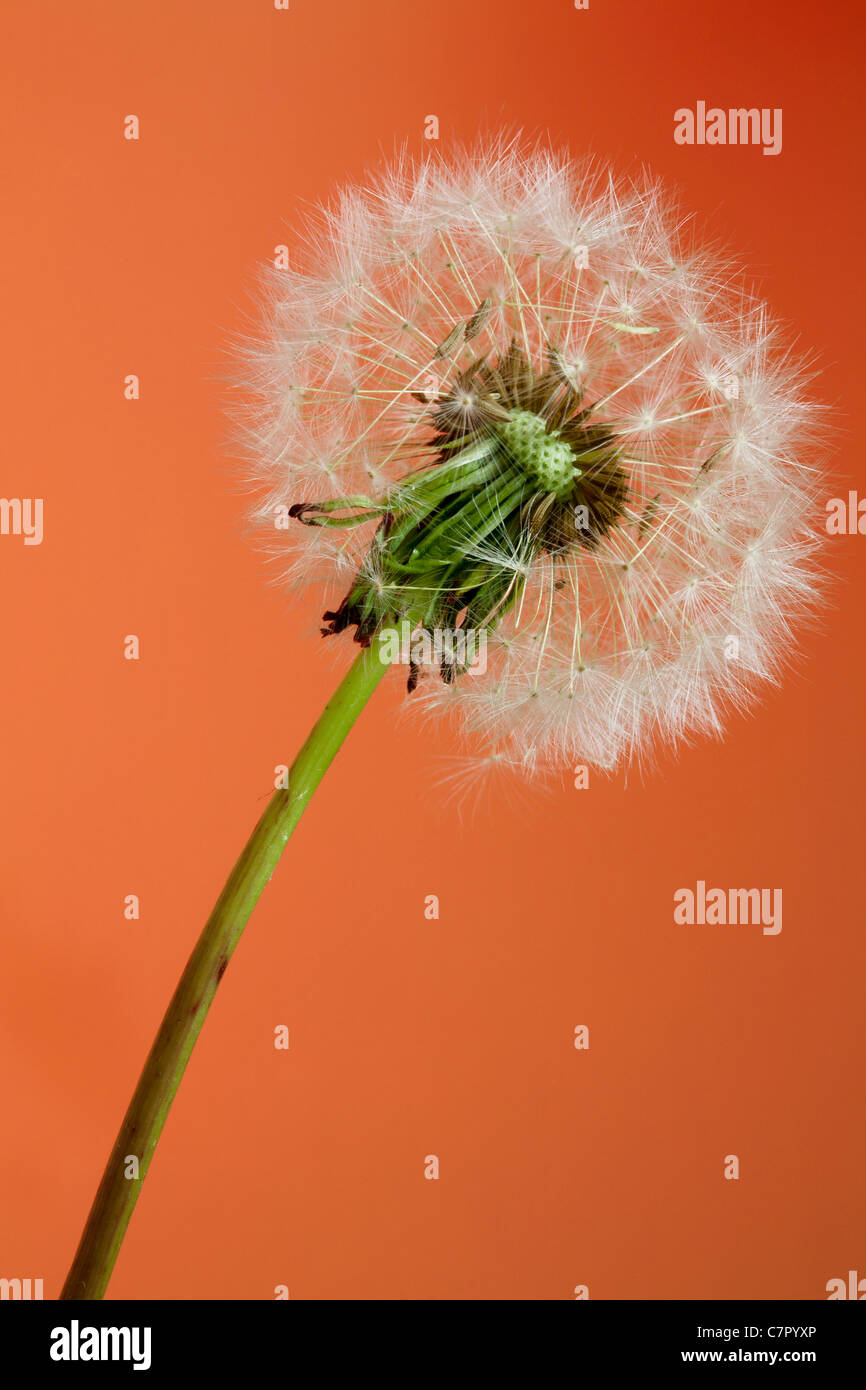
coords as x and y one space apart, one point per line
508 386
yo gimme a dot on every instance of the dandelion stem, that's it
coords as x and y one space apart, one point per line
139 1134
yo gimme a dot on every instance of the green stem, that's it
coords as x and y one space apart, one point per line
139 1134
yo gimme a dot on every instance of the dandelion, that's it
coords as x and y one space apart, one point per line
521 403
506 394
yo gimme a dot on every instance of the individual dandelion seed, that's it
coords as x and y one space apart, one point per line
501 394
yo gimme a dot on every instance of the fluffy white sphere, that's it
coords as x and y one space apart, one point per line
682 605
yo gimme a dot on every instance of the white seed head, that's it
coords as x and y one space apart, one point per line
508 294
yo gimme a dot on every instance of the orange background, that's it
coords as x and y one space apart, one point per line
408 1037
